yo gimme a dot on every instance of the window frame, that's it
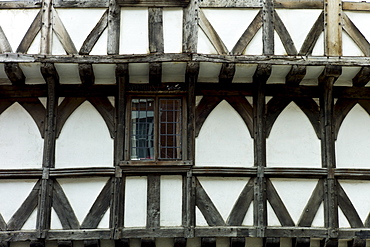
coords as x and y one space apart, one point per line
128 127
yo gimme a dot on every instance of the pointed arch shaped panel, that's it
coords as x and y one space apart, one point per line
224 139
85 140
293 142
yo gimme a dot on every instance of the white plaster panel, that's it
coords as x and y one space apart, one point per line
209 72
13 192
272 219
345 79
32 72
342 220
255 47
100 47
352 145
278 74
138 72
349 47
172 30
135 202
82 193
84 141
21 145
55 221
36 45
244 73
224 140
223 192
79 22
318 221
203 44
278 45
198 99
104 223
173 72
231 30
15 23
171 201
312 73
57 47
318 49
294 197
68 73
357 191
104 73
292 141
134 31
248 219
199 218
293 20
361 20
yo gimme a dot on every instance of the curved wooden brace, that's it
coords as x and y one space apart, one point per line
94 35
205 107
65 109
63 208
341 109
348 209
356 35
273 109
245 110
2 223
312 205
99 208
311 109
31 34
211 33
106 110
248 34
277 205
4 43
284 35
365 104
37 111
313 36
20 217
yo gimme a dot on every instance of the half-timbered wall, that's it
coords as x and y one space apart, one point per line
274 142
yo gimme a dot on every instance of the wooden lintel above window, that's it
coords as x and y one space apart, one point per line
154 3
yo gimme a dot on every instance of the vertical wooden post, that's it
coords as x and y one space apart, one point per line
51 77
153 203
333 27
259 125
46 27
114 19
190 27
118 201
326 82
156 43
268 27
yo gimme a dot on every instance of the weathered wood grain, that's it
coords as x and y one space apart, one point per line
362 77
155 19
313 35
348 209
46 27
179 242
208 242
155 73
206 206
241 206
25 210
63 208
230 4
333 28
295 75
99 208
153 201
153 3
63 35
312 205
114 19
356 35
92 243
268 27
212 35
278 206
4 43
284 35
190 28
248 35
86 73
148 242
272 242
94 35
237 242
14 73
227 73
301 4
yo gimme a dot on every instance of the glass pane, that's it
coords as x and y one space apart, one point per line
170 129
142 129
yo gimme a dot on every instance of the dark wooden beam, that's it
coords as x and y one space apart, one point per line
62 34
123 242
37 111
245 110
356 35
153 3
190 28
312 37
14 73
268 27
156 42
155 73
311 109
94 35
92 243
302 242
295 75
65 243
205 107
271 242
31 34
114 19
362 77
65 109
153 202
148 242
348 209
284 35
46 27
106 110
226 73
179 242
208 242
86 72
237 242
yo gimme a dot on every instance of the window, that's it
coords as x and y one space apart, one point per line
156 128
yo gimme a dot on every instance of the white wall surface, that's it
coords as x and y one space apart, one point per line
84 141
135 202
172 30
352 145
292 141
21 145
224 140
171 201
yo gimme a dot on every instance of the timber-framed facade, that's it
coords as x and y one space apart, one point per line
52 68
